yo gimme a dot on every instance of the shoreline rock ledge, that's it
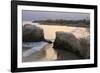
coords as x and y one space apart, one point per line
68 42
32 33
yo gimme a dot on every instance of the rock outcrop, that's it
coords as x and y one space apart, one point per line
32 33
85 44
67 41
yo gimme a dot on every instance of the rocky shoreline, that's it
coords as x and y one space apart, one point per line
65 46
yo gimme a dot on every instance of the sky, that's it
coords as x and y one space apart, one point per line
31 15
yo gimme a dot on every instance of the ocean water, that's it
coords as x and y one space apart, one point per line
32 47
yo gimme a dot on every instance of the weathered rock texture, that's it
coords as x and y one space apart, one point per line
85 44
32 33
67 41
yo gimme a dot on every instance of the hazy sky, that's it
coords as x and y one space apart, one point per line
44 15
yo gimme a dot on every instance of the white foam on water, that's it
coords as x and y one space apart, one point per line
35 46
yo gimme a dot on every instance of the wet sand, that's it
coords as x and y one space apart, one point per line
49 54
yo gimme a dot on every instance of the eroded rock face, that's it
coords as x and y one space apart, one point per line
67 41
85 43
32 33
